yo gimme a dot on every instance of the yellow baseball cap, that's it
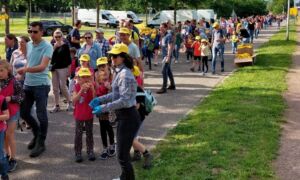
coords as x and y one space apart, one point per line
84 72
101 61
136 71
118 49
216 24
198 37
84 57
125 31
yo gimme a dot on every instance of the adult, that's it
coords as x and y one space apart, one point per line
91 48
61 60
74 36
122 100
134 36
218 41
36 87
19 58
251 29
167 46
133 49
104 44
11 43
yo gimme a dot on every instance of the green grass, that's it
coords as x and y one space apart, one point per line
234 133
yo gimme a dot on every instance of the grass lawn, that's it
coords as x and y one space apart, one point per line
234 133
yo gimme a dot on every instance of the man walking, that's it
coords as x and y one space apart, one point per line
37 87
167 46
218 46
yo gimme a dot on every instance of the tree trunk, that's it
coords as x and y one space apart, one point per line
73 13
98 13
175 12
28 12
6 10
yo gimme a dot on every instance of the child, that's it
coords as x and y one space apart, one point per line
229 31
4 116
139 148
103 88
188 47
234 42
73 67
12 90
205 52
197 54
85 63
83 94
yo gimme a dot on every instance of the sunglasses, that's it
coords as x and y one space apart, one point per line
57 37
88 37
32 32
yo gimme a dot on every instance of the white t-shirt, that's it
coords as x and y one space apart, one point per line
19 61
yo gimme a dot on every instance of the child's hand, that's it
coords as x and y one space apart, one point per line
107 85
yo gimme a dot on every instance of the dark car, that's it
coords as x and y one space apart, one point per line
51 26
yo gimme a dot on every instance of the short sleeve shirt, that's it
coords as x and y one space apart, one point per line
35 54
218 34
134 51
166 40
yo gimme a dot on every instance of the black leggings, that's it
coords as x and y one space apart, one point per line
204 60
128 125
189 53
106 129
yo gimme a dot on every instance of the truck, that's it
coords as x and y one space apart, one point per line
126 15
89 18
181 15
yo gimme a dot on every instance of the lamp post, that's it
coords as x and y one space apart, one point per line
288 21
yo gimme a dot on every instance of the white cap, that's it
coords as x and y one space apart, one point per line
99 30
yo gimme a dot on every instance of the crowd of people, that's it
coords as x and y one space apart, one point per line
104 78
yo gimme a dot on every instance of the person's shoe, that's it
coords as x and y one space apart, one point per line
114 124
91 157
116 179
70 107
192 69
78 158
137 156
222 70
32 143
213 73
176 62
5 177
187 61
104 155
111 150
172 87
39 148
12 165
147 160
155 64
161 91
55 109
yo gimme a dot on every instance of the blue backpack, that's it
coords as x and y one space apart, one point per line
150 101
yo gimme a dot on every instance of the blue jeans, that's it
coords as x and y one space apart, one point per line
3 159
215 50
39 96
246 40
234 47
176 52
251 33
256 33
167 73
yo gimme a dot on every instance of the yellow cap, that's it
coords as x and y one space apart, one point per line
84 72
125 31
101 61
136 71
84 57
203 40
118 49
216 24
198 37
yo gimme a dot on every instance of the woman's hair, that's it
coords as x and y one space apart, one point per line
128 61
25 38
88 33
73 50
58 32
5 65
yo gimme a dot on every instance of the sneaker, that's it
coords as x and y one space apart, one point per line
162 91
147 160
116 179
111 150
12 165
222 70
172 87
78 158
114 124
192 69
91 157
70 107
187 61
55 109
32 143
176 62
155 64
137 156
5 177
104 155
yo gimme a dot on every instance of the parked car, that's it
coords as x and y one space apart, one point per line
51 26
89 18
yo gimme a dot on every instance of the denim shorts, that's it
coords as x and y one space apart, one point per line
14 118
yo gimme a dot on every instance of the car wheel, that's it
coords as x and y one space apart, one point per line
49 32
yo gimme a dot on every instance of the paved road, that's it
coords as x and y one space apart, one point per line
288 161
57 162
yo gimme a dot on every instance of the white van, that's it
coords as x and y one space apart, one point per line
181 15
126 15
89 18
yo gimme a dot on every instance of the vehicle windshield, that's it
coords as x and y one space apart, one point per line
110 16
133 16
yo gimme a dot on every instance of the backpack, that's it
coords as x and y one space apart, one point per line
150 101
